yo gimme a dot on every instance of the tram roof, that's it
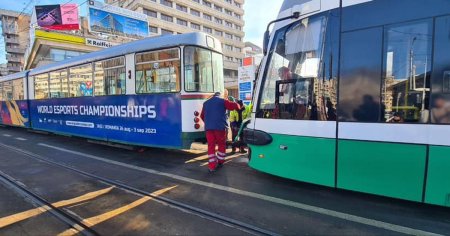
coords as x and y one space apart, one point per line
17 75
196 38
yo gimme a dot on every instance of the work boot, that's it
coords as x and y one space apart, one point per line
242 150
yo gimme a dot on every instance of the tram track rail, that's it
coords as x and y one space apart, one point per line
39 201
236 224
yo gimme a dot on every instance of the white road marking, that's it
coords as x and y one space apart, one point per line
7 135
319 210
21 139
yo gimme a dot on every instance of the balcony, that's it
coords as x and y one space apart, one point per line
231 65
14 68
9 30
12 58
15 50
12 40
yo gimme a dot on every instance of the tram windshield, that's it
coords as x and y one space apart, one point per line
203 70
295 54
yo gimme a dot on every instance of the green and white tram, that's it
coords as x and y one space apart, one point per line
355 94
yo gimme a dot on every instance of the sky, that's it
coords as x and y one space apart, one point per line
258 13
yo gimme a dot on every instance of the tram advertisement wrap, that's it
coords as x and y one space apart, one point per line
14 113
153 120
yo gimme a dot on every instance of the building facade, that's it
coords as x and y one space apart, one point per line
15 32
52 46
223 19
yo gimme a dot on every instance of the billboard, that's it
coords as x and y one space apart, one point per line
148 120
58 17
117 21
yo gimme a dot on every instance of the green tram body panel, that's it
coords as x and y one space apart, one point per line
438 180
388 169
306 159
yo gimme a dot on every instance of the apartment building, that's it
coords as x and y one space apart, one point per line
15 30
222 18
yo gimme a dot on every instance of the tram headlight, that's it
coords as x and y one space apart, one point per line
197 126
196 120
196 113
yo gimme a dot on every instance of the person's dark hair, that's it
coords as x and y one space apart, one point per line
240 103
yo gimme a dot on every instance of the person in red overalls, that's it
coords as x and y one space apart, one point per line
214 116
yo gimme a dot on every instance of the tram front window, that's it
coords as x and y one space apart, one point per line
203 70
293 73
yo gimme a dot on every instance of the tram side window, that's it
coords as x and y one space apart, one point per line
59 84
18 93
294 87
80 81
440 97
407 67
109 77
158 71
1 91
198 70
41 90
7 90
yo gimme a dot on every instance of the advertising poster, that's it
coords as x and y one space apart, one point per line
117 21
58 17
148 120
14 113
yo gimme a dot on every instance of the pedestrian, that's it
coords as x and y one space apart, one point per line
236 119
215 119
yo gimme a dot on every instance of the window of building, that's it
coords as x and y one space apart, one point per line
228 36
181 8
153 29
59 87
206 3
238 27
40 87
166 32
239 60
236 49
166 3
228 12
195 12
228 1
206 16
195 26
228 47
237 38
182 22
237 4
237 16
166 18
218 8
229 24
151 13
219 33
110 77
218 20
80 81
158 72
228 58
197 1
207 29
